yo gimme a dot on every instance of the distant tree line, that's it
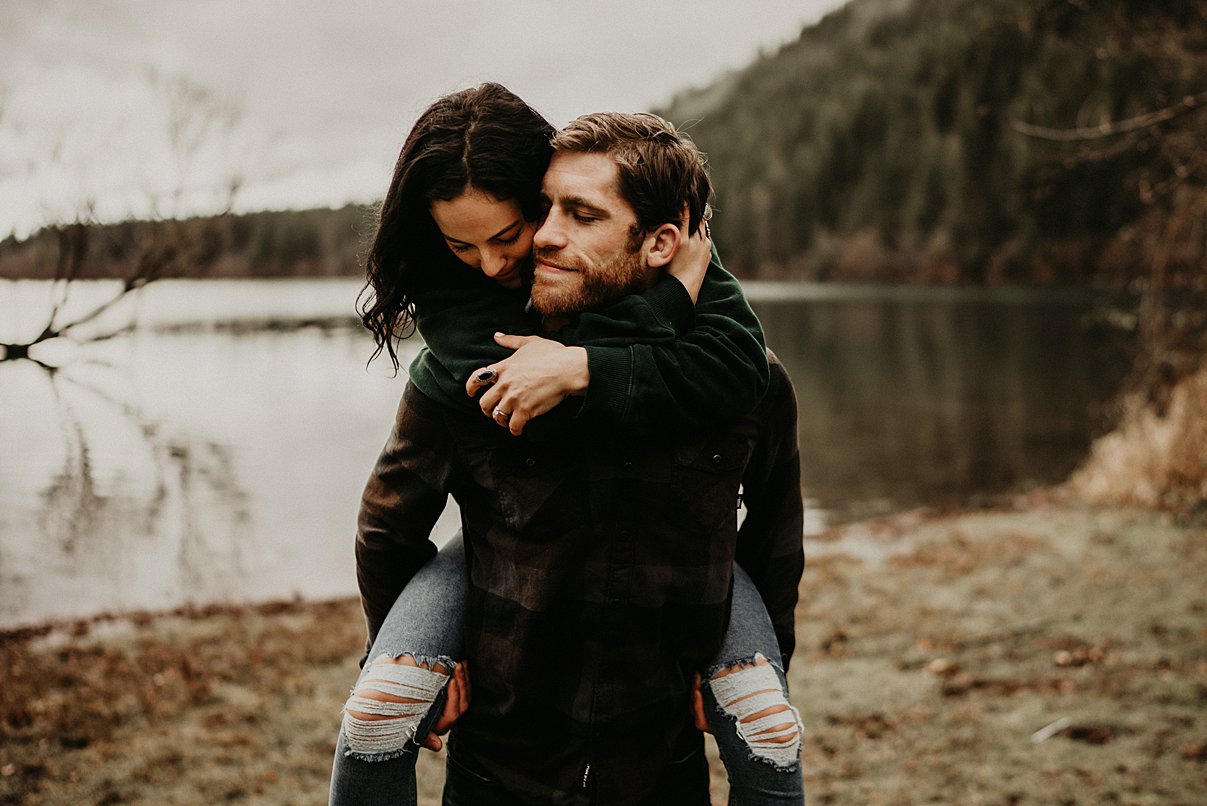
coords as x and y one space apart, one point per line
296 243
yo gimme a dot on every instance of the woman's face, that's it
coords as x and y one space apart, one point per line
487 234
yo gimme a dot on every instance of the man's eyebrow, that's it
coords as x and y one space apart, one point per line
580 202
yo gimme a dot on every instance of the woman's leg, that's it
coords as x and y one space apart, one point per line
400 693
746 702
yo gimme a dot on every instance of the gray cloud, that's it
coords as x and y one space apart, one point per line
327 91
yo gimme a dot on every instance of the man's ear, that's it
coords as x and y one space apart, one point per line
661 245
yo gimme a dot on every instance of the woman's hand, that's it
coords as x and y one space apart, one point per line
456 703
690 263
534 379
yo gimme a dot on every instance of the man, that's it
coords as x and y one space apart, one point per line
600 566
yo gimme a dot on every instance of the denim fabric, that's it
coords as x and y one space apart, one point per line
425 623
752 781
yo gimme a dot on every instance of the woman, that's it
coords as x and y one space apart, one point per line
452 257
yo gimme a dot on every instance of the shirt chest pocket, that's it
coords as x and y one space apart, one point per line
706 476
526 479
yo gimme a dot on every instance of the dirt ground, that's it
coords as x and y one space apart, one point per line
1044 652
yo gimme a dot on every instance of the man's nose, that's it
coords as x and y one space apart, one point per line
550 233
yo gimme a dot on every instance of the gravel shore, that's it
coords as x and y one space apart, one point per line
1044 652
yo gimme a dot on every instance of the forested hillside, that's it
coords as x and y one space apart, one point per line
974 141
896 140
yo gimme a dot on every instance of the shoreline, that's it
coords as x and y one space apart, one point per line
1041 651
83 626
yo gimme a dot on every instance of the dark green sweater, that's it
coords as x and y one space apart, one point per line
655 360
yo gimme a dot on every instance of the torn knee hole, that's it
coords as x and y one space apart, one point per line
766 721
384 711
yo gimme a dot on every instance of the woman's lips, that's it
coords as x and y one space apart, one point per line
510 278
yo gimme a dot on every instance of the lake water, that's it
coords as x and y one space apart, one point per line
217 453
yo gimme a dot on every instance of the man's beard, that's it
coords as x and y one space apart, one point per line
624 274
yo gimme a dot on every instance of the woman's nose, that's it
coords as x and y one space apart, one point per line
493 263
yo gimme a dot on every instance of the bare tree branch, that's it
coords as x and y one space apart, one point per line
196 121
1190 103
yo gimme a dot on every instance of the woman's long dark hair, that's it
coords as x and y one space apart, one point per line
484 138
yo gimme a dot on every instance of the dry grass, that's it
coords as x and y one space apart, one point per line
1153 460
931 649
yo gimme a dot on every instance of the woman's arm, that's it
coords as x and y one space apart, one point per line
713 370
457 318
645 361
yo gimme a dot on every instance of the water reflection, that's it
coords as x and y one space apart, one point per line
219 452
109 505
931 396
190 464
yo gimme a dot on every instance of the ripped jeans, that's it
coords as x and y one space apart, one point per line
756 729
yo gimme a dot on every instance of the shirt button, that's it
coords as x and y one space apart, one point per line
716 458
628 467
529 462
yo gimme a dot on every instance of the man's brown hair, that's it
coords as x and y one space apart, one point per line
659 167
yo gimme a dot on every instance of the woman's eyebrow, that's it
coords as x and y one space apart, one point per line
505 230
497 235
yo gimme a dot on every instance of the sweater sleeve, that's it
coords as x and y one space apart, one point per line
653 357
691 366
457 319
770 542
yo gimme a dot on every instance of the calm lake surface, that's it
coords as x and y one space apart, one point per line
217 453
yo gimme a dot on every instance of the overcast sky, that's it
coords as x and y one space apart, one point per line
309 100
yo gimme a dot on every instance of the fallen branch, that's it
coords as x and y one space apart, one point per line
1050 730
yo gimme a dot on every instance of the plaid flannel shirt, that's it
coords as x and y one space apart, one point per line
600 577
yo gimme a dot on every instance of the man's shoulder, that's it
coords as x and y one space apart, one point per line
419 409
420 403
777 409
781 382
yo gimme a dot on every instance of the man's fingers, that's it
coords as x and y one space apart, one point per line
456 703
700 718
452 704
457 700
